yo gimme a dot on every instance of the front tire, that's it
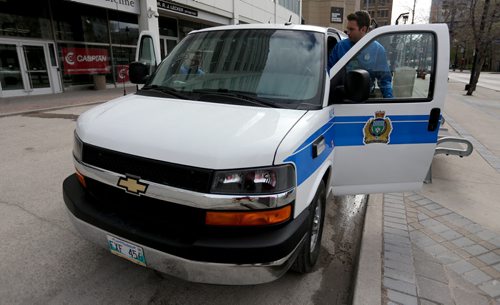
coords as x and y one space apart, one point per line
309 253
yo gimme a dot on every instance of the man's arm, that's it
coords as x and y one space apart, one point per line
333 57
383 73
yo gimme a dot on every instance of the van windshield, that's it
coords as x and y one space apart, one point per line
276 67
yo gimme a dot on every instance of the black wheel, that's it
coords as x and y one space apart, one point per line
309 253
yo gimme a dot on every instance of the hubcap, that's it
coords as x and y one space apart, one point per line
315 226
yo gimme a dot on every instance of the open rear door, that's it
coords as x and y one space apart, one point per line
386 142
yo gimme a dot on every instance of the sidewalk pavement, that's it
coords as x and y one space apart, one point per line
23 104
441 245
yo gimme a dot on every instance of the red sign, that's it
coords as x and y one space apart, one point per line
122 73
85 61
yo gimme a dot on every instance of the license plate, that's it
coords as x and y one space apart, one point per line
126 250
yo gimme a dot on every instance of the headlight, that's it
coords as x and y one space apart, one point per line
77 147
267 180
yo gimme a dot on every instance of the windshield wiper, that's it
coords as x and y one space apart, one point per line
167 90
240 95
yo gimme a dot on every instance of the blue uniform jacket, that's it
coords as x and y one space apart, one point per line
371 58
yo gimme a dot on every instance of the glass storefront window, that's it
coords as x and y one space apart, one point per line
79 22
21 19
10 70
124 28
95 29
167 26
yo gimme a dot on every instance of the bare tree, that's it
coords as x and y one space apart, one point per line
484 20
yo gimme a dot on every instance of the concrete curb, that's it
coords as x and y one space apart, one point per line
368 283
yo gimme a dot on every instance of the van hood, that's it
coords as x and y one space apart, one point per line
200 134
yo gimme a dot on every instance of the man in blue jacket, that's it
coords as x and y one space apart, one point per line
371 58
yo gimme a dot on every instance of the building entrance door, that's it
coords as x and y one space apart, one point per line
24 69
167 44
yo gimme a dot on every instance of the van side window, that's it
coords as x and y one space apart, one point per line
400 65
331 42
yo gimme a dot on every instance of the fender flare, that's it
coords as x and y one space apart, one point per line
318 178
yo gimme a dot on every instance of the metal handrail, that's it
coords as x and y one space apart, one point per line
463 152
450 151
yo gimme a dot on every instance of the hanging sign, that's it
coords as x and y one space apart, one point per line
168 5
129 6
85 61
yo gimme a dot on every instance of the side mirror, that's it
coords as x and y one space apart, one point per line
138 72
357 85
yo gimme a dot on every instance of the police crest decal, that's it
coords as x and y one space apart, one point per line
378 129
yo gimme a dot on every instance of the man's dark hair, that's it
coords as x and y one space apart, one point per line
361 17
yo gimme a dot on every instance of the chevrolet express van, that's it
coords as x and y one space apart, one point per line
219 168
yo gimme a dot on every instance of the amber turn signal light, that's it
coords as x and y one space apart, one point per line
253 218
81 178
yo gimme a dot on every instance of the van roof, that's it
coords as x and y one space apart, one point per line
260 26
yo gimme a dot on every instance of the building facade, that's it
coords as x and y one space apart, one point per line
48 46
328 13
380 10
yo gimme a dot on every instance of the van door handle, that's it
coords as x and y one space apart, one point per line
434 119
318 146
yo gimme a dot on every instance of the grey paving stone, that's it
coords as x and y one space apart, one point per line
463 242
431 270
415 197
399 257
447 258
457 220
475 249
399 275
435 249
476 276
394 210
423 201
400 232
486 234
441 211
463 297
398 206
403 249
429 223
396 220
425 242
450 235
492 288
396 239
422 216
400 286
396 215
473 227
395 201
434 291
461 266
401 298
403 267
495 241
432 206
497 266
395 225
490 258
425 302
439 228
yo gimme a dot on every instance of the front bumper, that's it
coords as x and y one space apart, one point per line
228 259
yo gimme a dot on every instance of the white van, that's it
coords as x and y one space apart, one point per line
219 168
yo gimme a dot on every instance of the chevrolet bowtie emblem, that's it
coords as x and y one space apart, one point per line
132 185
